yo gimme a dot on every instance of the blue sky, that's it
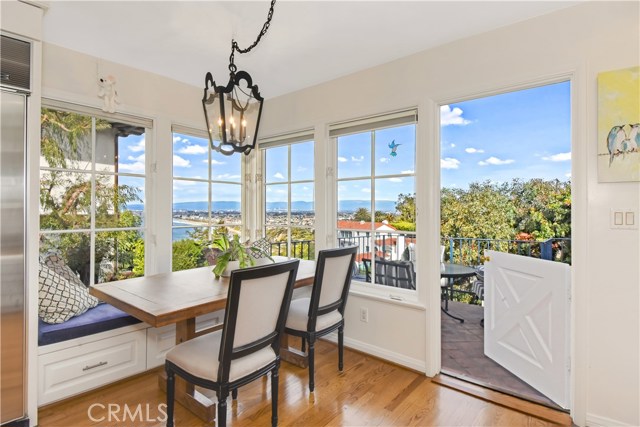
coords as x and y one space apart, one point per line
524 134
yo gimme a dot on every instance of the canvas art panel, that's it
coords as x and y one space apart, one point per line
619 125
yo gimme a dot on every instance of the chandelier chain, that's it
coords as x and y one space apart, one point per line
234 44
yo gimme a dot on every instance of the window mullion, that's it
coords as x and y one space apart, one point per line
92 208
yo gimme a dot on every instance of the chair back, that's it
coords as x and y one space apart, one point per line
399 274
257 306
331 282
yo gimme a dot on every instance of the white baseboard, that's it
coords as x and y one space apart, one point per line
598 421
382 353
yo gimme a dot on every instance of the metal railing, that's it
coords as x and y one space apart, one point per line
470 251
303 249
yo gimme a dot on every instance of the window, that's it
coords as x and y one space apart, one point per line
375 177
207 195
289 195
92 194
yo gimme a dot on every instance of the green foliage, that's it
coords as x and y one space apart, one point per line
233 250
187 254
362 214
406 208
404 226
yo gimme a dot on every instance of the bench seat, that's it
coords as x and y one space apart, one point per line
102 318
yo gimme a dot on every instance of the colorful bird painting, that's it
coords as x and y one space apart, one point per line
394 148
633 144
614 141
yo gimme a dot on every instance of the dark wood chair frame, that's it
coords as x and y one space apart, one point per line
228 353
310 335
398 274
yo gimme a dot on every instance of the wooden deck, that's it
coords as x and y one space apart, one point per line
463 355
368 392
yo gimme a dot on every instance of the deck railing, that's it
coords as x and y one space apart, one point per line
470 251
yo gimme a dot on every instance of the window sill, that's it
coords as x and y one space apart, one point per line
390 295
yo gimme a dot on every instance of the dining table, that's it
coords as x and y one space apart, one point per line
453 273
178 298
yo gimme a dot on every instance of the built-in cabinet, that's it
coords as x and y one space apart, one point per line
71 367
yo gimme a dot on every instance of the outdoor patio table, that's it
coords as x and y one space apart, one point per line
453 273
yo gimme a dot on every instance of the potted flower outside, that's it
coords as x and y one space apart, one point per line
234 255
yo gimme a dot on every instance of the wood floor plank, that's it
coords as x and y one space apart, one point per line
369 392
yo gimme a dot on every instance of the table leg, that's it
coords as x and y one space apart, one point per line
185 393
292 355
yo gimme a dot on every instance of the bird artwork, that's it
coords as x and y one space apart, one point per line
394 148
633 143
616 137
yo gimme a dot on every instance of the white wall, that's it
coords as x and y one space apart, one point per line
579 42
575 43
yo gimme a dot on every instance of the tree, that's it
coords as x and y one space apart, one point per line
187 253
406 207
362 214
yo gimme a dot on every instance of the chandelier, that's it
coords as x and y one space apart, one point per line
232 112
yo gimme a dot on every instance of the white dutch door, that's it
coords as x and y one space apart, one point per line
526 327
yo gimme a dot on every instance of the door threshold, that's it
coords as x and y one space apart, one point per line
500 397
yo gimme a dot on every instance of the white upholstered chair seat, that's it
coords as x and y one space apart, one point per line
199 357
299 316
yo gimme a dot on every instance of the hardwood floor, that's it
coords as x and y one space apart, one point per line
368 392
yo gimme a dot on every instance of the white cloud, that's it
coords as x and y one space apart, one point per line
214 162
560 157
227 176
180 162
138 147
453 145
193 149
395 179
366 190
178 139
278 175
140 158
342 159
449 163
472 150
568 175
384 160
409 171
452 117
357 159
495 161
131 167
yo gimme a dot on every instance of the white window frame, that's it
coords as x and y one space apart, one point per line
187 131
95 113
362 125
285 140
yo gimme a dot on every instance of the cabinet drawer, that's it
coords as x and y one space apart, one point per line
74 370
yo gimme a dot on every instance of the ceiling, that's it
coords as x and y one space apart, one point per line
309 42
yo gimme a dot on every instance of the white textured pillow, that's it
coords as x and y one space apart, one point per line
58 299
57 264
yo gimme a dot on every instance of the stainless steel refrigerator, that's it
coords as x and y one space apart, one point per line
13 103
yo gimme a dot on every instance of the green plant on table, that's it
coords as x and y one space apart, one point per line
234 250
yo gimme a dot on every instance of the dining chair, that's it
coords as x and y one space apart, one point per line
323 313
248 345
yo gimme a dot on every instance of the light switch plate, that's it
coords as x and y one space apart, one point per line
625 219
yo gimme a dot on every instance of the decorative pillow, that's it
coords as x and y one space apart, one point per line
263 244
57 264
58 299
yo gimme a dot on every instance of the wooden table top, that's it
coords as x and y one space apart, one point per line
167 298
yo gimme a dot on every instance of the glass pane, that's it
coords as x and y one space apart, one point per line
395 202
276 196
226 168
396 273
131 151
65 200
65 140
119 201
354 155
302 207
190 248
119 255
303 243
190 202
226 203
277 169
354 204
190 156
278 237
396 150
302 161
72 249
